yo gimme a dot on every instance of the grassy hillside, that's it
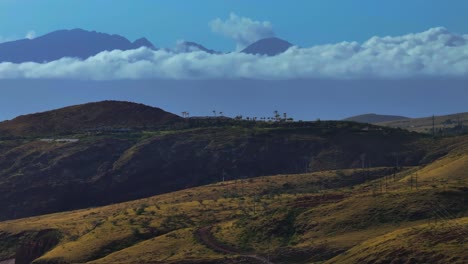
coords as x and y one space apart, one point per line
426 243
91 116
446 124
417 214
38 177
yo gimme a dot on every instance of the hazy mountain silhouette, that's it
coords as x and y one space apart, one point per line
77 43
188 46
268 46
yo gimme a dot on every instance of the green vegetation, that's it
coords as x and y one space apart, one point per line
228 191
446 125
335 216
109 167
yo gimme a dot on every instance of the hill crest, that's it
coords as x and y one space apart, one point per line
113 114
374 118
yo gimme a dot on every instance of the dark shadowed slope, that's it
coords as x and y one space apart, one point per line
268 46
75 43
38 177
113 114
374 118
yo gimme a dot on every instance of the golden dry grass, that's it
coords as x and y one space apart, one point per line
247 214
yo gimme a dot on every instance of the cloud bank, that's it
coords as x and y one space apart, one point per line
242 30
431 54
30 34
4 39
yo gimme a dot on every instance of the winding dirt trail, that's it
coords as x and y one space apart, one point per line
206 237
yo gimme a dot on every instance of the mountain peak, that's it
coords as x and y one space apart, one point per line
268 46
143 42
189 46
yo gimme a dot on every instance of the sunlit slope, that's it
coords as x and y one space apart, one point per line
344 216
427 243
91 234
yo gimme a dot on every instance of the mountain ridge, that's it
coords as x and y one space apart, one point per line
443 124
374 118
75 43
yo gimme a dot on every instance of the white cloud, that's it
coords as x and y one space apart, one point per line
244 31
31 34
5 39
433 53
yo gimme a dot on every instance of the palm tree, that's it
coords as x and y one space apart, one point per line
276 115
220 113
214 112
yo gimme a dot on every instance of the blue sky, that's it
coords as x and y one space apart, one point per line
301 99
422 73
302 22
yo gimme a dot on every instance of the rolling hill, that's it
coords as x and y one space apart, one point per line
106 152
90 116
371 215
445 123
375 118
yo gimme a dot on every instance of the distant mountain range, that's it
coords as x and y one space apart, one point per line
374 118
82 44
76 43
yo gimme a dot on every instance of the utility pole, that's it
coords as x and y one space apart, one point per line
254 201
397 161
242 186
268 254
411 182
386 184
416 180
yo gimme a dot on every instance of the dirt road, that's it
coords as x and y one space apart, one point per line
206 237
